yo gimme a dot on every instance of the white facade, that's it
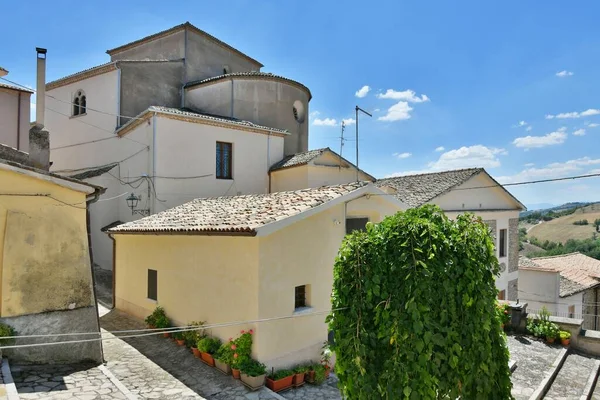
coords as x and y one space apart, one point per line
541 288
14 117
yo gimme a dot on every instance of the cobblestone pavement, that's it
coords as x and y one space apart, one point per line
572 378
326 391
534 357
77 382
153 367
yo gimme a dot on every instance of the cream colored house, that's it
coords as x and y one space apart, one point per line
567 285
470 190
246 258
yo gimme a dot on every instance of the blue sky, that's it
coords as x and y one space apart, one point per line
479 79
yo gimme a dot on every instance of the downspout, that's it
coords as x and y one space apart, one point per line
185 44
89 235
231 111
596 307
118 95
114 271
154 162
19 122
269 159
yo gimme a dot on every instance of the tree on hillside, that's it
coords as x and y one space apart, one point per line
414 310
597 224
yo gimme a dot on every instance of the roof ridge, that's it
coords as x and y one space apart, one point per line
559 256
434 173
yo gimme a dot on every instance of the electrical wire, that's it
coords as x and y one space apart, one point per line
82 143
147 148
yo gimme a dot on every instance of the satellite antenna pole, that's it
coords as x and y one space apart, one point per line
342 143
357 109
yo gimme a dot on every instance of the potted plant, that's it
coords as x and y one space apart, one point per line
178 337
242 349
192 337
151 319
503 311
551 331
207 347
280 380
6 331
299 373
325 358
224 358
316 374
253 374
565 337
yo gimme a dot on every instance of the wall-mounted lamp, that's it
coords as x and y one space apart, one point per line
132 202
337 222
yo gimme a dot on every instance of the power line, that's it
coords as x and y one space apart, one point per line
82 143
104 165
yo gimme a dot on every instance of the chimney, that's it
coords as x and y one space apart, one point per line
39 147
41 86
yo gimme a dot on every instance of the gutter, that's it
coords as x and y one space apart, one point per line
118 96
19 122
154 162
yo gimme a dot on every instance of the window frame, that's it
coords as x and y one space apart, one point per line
355 218
300 292
219 152
155 288
502 242
79 104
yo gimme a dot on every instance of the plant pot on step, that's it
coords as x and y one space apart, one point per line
327 369
166 335
298 379
550 340
253 382
180 342
223 367
235 373
565 342
280 384
207 358
196 352
310 376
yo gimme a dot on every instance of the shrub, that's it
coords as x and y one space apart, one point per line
503 312
242 347
209 345
542 326
158 313
193 336
319 373
225 353
301 369
7 331
280 374
252 367
415 300
581 222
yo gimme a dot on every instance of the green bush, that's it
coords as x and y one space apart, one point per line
415 310
301 369
7 331
209 345
225 353
564 335
252 367
242 347
542 326
280 374
193 336
319 373
157 316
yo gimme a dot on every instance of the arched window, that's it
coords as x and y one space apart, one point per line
79 103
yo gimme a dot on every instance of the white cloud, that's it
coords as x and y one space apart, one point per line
440 148
313 114
530 164
552 138
522 123
402 155
591 125
529 128
399 111
349 121
579 132
325 122
406 95
553 170
564 73
471 156
362 92
376 110
587 113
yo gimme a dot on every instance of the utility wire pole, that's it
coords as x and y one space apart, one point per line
357 109
342 143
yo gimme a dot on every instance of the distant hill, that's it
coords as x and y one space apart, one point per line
545 210
561 229
539 206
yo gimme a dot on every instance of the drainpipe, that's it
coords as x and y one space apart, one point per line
118 95
154 161
269 158
89 235
596 312
231 111
19 121
185 44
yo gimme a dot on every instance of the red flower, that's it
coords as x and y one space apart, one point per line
231 339
242 331
233 347
235 355
251 331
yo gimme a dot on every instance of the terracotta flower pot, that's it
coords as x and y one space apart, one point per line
196 352
180 342
310 376
235 373
565 342
151 326
253 382
550 340
327 369
207 359
298 379
280 384
221 366
166 335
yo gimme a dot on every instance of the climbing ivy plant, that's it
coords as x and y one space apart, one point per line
414 305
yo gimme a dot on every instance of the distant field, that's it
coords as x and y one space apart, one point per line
562 229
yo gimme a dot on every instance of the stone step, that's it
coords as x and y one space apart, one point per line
572 379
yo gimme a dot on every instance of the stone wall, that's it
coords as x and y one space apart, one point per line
48 323
513 245
590 299
513 290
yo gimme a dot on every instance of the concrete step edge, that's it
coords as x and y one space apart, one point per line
545 384
9 383
591 382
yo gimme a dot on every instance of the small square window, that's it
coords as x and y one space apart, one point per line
152 284
356 224
502 244
300 295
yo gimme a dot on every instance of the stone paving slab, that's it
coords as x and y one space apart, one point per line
153 367
533 357
572 378
327 391
74 381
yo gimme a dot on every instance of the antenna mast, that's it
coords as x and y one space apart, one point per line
342 143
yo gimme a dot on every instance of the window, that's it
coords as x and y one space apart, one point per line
502 244
298 111
571 311
356 224
224 155
79 103
300 294
152 284
502 295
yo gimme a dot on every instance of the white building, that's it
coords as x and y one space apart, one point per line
470 190
567 285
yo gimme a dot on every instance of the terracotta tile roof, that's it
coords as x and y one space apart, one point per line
578 272
236 214
174 29
17 88
93 172
416 190
298 159
253 74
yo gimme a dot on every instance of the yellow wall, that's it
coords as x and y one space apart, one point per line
210 278
45 260
289 179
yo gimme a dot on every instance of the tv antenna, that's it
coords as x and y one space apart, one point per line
342 143
357 109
